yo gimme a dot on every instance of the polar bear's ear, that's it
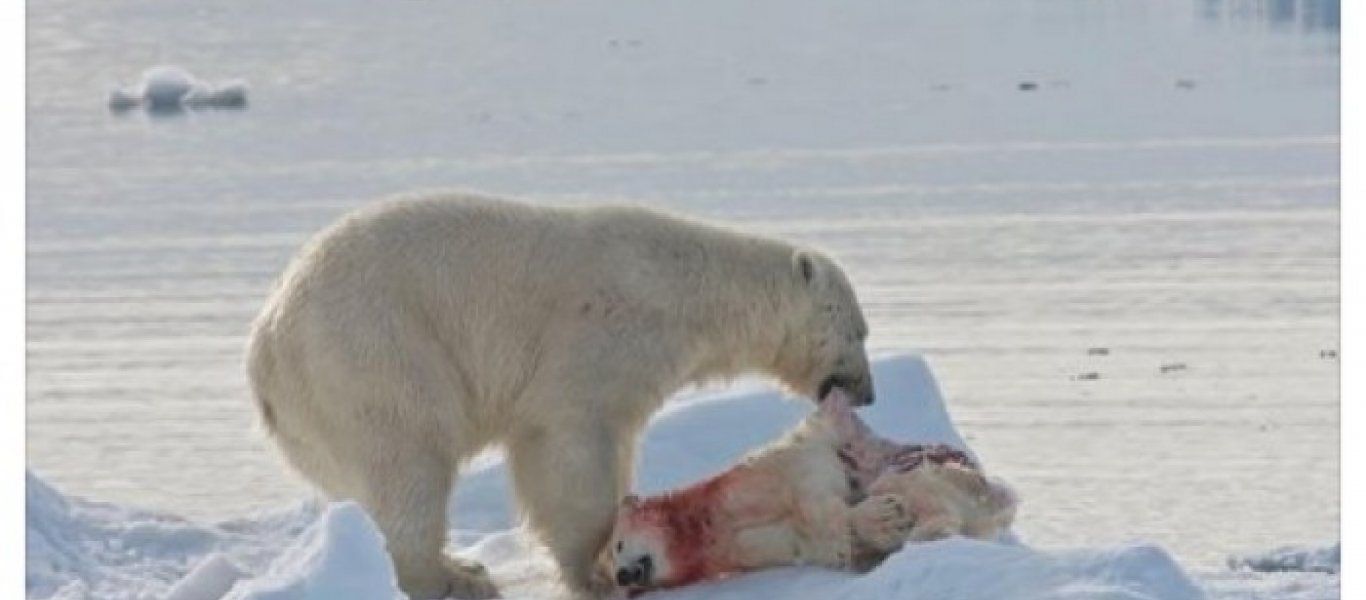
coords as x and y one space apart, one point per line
804 265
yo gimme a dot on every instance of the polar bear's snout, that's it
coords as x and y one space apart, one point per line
863 390
858 388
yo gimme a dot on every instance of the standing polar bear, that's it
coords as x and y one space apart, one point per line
412 334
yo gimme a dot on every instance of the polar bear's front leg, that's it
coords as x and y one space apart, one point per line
566 478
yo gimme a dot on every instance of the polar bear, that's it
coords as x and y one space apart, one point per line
413 333
828 493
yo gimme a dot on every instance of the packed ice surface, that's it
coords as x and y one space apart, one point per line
168 88
80 549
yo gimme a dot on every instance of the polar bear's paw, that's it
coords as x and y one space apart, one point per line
882 522
597 586
462 578
470 580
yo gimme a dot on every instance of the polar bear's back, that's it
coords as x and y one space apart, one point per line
465 244
438 239
495 287
415 258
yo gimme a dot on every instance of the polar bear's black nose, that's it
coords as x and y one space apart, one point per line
860 389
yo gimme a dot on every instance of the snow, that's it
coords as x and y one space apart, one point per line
81 549
168 88
340 556
213 578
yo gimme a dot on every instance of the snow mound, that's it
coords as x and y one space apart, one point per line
342 556
965 569
79 549
168 88
1327 559
76 548
954 569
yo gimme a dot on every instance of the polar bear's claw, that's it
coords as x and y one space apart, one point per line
470 581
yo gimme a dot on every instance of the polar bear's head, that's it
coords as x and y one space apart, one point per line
824 348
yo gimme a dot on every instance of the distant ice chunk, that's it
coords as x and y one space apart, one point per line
168 88
121 100
1327 559
231 94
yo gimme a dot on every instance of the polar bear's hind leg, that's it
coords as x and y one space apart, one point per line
566 478
405 489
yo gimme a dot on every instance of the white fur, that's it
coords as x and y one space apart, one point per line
950 500
412 334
